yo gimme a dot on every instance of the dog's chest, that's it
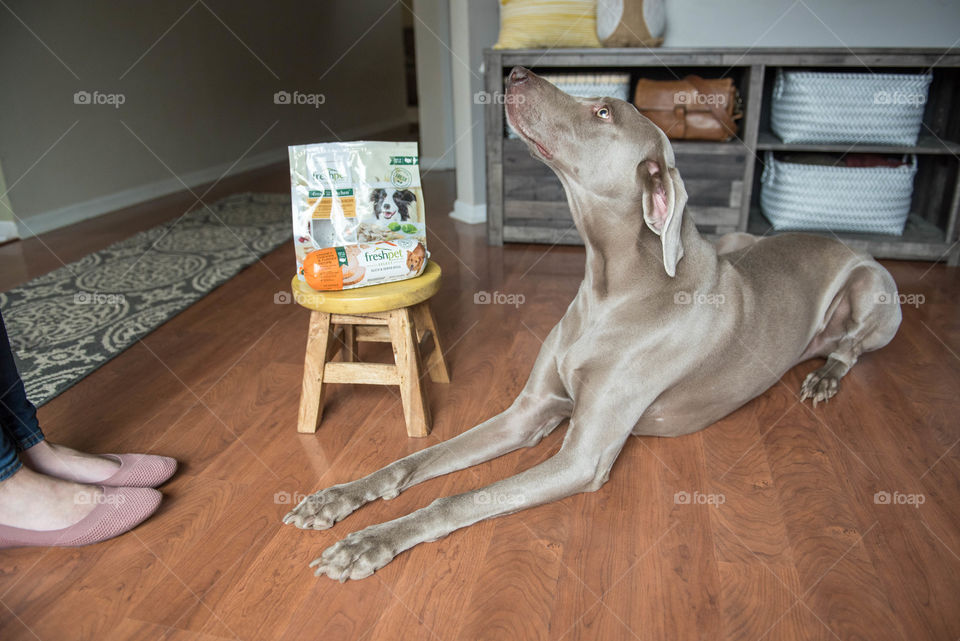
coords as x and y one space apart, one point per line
593 351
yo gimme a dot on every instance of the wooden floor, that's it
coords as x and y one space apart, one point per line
782 537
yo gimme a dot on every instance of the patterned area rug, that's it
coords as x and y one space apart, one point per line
67 323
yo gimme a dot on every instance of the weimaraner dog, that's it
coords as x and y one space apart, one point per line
667 334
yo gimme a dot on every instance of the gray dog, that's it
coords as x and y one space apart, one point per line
667 334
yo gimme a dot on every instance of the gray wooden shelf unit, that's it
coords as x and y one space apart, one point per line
525 201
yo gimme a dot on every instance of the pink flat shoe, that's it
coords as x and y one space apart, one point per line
140 470
120 509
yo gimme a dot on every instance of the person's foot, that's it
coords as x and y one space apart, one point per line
39 510
33 501
66 463
114 470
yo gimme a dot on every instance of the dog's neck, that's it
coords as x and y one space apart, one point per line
624 256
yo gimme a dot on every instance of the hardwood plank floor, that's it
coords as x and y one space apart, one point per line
782 537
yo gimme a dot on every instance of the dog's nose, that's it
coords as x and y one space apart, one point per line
519 75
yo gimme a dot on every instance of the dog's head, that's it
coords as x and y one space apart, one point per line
388 203
415 258
605 148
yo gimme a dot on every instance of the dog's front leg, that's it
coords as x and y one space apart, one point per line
582 464
539 408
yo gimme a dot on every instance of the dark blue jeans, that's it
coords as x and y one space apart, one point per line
19 428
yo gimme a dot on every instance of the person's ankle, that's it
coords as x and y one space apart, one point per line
68 464
37 451
39 458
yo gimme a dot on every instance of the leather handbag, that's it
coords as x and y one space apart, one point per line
692 108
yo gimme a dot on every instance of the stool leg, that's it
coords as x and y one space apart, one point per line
416 412
349 350
311 394
436 363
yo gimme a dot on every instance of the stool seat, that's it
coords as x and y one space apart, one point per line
375 298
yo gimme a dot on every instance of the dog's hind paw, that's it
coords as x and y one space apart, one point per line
355 557
321 510
819 386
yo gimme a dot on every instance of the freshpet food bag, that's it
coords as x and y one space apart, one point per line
347 193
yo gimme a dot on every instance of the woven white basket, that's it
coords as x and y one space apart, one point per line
588 85
843 199
824 107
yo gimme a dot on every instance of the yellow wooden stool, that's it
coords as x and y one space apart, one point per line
397 313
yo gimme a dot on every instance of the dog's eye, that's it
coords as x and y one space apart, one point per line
603 112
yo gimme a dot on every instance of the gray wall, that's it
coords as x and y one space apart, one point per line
473 28
812 23
434 83
200 96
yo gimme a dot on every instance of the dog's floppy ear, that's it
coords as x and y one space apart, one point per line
664 198
407 195
377 194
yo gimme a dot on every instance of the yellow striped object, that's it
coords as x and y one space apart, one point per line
547 24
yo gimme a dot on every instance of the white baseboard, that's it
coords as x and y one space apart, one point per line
56 218
467 213
8 231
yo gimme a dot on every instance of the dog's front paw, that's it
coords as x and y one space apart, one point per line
321 510
357 556
819 386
